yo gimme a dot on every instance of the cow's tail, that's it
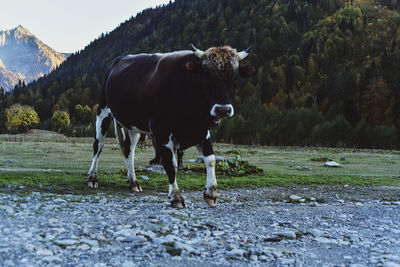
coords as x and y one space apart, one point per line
103 101
120 135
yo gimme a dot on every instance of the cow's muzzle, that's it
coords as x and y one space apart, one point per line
219 111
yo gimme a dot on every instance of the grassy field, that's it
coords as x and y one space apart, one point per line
49 161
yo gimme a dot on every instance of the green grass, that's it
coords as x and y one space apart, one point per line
67 161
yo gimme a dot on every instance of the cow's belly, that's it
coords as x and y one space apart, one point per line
131 118
190 135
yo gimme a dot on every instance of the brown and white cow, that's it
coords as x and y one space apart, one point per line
176 97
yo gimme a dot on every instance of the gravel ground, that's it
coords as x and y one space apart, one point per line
319 226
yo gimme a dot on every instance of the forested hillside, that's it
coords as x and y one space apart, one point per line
328 71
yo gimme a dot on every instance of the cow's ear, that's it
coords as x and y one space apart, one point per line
247 71
194 67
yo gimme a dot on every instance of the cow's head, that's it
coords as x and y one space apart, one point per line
219 67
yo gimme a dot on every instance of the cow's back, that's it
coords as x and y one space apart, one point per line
129 89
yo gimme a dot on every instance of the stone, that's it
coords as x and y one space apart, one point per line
219 158
122 233
83 247
93 243
200 160
286 234
66 242
254 258
52 259
135 239
144 177
128 264
295 197
44 252
183 246
332 164
235 253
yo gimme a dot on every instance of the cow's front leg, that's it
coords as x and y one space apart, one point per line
170 165
210 194
129 152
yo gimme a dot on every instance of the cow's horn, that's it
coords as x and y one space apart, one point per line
198 52
244 53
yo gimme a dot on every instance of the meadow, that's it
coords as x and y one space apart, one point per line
49 161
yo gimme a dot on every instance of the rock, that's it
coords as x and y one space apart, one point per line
93 243
254 258
83 247
8 209
286 234
66 242
316 233
156 168
53 259
128 264
183 246
325 240
200 160
10 161
122 233
303 168
332 164
219 158
235 254
44 252
135 239
144 177
295 197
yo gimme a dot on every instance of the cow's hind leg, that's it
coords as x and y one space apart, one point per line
129 152
170 165
103 120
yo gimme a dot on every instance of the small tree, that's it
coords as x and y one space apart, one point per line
21 117
84 115
60 119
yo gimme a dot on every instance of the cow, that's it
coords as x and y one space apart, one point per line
176 97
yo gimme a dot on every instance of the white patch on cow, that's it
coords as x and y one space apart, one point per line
208 135
105 112
212 111
93 167
130 161
173 188
134 128
210 167
171 146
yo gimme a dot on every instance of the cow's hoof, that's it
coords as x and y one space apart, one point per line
92 182
212 197
178 201
134 186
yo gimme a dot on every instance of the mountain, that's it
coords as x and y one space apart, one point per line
24 57
328 70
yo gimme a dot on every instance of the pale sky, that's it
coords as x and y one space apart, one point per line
69 25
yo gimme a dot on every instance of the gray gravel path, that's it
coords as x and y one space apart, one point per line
322 226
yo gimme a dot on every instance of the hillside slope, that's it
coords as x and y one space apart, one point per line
327 70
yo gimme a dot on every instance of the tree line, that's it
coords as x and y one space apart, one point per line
327 69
